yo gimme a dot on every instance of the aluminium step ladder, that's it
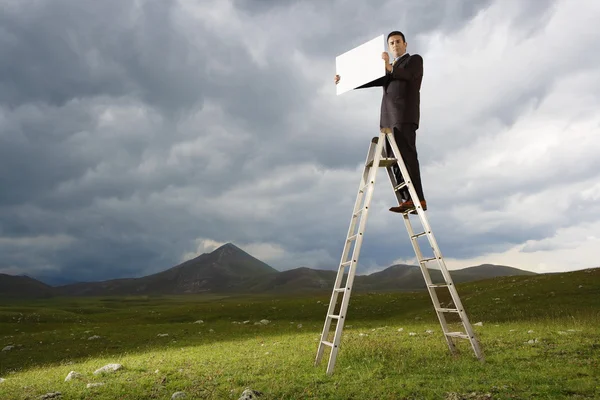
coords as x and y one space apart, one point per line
376 159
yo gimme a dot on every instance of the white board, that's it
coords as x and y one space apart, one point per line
360 65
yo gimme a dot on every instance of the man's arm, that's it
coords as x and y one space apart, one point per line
413 70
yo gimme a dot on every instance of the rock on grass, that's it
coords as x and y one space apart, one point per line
72 375
250 394
108 368
51 395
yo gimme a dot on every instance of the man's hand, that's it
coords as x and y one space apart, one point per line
386 58
336 79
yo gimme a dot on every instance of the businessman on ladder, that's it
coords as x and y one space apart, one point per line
400 111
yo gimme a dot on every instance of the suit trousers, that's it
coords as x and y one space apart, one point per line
405 138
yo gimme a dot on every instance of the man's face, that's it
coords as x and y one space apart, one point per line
397 45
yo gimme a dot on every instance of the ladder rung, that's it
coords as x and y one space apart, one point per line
387 162
326 343
333 316
419 235
400 186
362 189
353 237
458 335
342 290
452 310
434 285
428 259
384 162
360 211
346 264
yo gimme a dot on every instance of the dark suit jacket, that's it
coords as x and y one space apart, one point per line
401 92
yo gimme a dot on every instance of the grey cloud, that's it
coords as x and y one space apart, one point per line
260 98
204 142
262 6
62 50
30 141
533 17
357 22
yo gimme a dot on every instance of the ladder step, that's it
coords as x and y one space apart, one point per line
333 316
342 290
449 310
346 264
387 162
326 343
434 285
384 162
428 259
353 237
356 214
400 186
458 335
419 235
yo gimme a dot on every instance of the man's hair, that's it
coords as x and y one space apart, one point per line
394 33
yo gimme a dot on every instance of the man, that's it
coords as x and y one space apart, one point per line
400 111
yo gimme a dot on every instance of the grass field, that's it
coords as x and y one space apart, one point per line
540 336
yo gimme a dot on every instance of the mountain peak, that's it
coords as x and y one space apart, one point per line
229 250
227 246
230 259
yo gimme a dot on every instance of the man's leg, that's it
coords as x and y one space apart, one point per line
406 140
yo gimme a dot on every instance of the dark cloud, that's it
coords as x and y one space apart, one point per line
358 22
130 131
64 50
32 151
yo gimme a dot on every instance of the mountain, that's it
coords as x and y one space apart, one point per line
224 270
23 287
396 277
486 271
402 276
230 270
293 281
410 276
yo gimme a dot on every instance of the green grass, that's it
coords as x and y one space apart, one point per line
219 359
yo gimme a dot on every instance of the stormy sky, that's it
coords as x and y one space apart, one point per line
135 135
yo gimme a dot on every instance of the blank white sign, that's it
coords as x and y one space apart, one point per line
360 65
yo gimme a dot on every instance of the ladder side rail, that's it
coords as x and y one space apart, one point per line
428 282
365 214
463 315
424 270
432 241
355 257
354 218
427 228
346 250
451 287
330 309
407 223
